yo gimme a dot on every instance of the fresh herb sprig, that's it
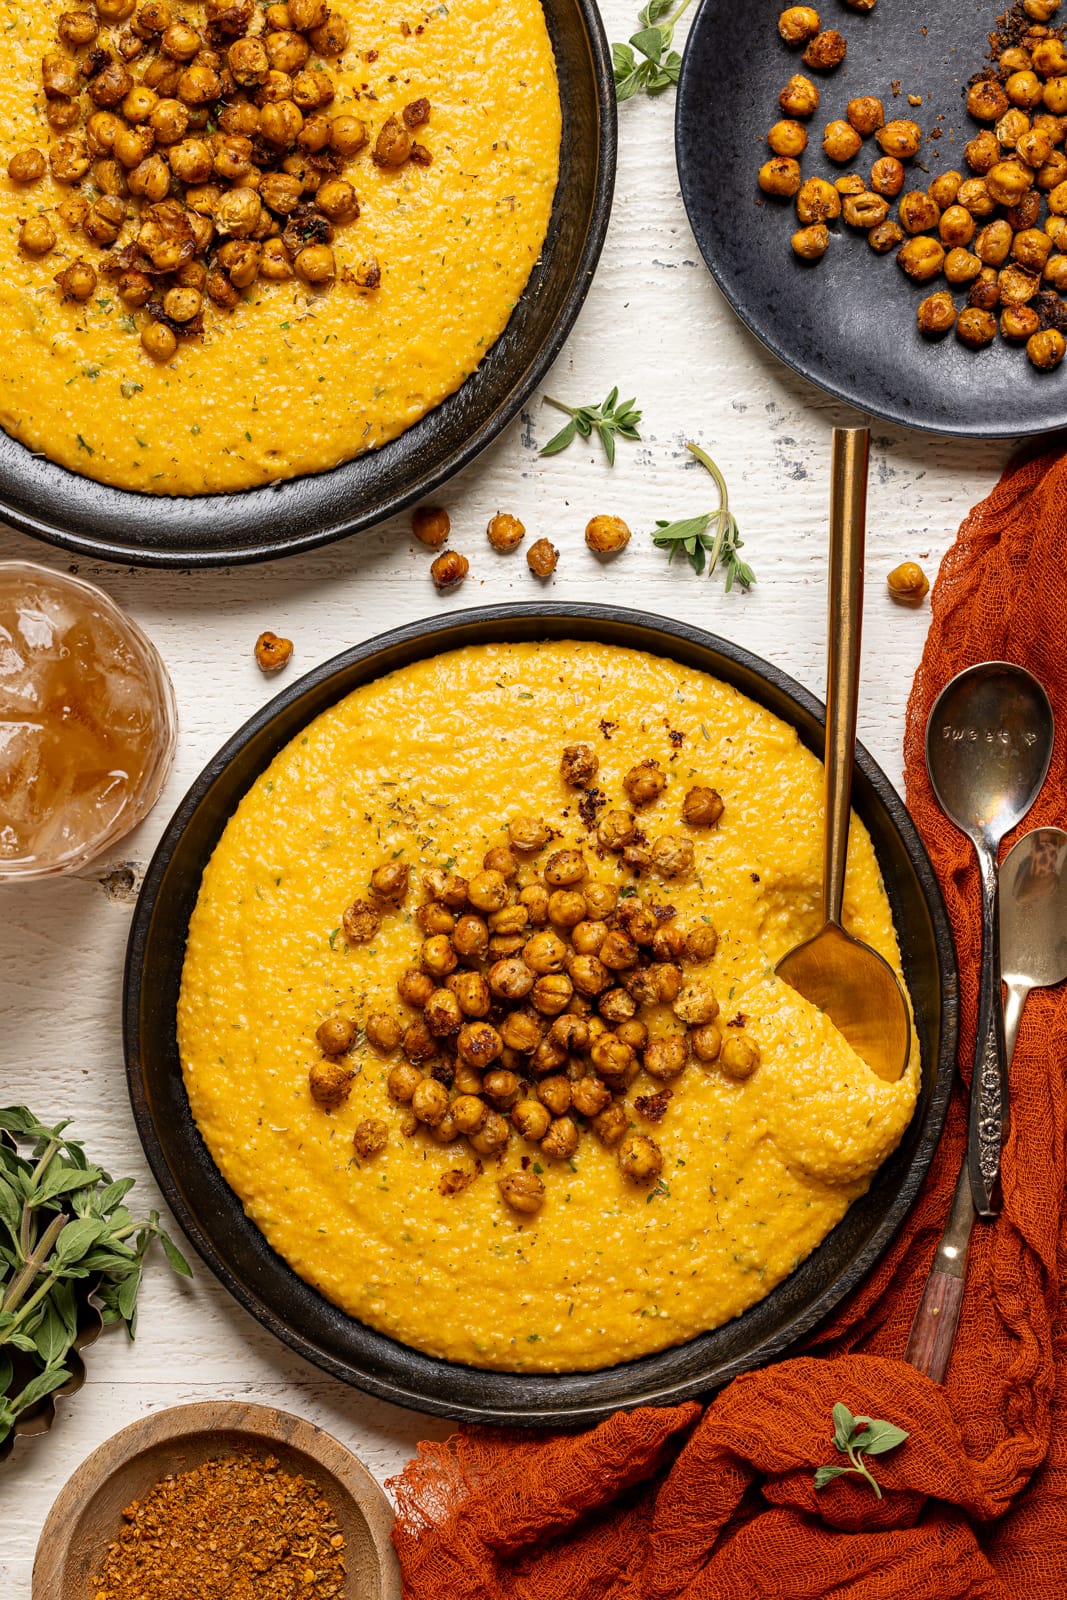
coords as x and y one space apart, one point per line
857 1437
610 420
659 65
709 541
62 1223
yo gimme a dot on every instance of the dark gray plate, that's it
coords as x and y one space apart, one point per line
236 1251
847 323
44 499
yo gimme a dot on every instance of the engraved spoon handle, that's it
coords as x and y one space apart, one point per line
989 1083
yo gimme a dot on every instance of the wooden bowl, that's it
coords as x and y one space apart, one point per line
87 1516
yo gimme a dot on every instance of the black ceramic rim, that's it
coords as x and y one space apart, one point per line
43 499
266 1286
848 322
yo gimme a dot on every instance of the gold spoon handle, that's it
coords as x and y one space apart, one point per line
848 530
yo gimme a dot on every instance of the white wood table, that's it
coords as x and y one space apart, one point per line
655 325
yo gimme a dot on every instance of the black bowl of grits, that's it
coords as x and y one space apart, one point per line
261 1280
304 416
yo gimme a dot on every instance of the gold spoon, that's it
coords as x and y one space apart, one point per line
853 984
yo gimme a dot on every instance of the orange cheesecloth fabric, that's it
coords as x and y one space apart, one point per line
719 1503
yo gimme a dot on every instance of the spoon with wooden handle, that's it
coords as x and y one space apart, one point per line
1033 945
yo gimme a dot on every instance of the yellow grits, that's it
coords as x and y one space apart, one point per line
295 380
433 761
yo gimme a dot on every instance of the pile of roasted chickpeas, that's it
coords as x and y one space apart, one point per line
541 993
985 230
200 155
432 526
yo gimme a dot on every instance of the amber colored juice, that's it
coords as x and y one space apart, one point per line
87 722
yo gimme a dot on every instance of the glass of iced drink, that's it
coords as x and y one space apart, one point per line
87 722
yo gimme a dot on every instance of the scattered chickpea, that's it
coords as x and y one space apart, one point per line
330 1084
159 342
505 532
383 1032
449 570
37 236
640 1158
361 922
900 138
26 166
922 258
817 201
739 1056
645 782
811 244
369 1138
867 211
975 327
798 24
908 583
271 652
335 1035
826 51
800 97
431 525
522 1191
780 176
607 535
788 138
542 558
579 765
866 114
78 281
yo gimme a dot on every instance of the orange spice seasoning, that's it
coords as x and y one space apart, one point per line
236 1527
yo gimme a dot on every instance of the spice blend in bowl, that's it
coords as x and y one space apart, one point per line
234 1528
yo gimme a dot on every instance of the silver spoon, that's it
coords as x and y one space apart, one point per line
988 748
1033 942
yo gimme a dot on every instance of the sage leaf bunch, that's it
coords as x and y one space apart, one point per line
65 1233
709 541
612 419
857 1438
648 65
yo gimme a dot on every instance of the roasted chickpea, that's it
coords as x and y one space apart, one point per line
668 942
77 28
1008 181
975 327
705 1042
1057 200
501 1087
330 1084
589 975
666 1056
286 51
69 159
956 228
450 569
561 1140
383 1032
788 138
867 210
369 1138
849 184
393 145
437 956
780 176
555 1093
442 1014
479 1044
1049 57
673 856
1054 96
348 135
840 142
993 243
937 315
431 525
522 1191
696 1003
987 101
918 213
645 782
1056 273
551 994
900 138
505 532
640 1159
962 266
492 1136
335 1035
564 868
579 766
887 177
606 535
1053 172
1017 286
37 236
811 244
601 898
413 986
975 196
617 1006
610 1125
78 281
26 166
330 38
566 908
866 114
984 293
73 211
826 51
798 24
921 258
800 97
430 1101
62 114
817 201
739 1056
135 288
1031 248
615 830
543 559
1041 10
488 890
